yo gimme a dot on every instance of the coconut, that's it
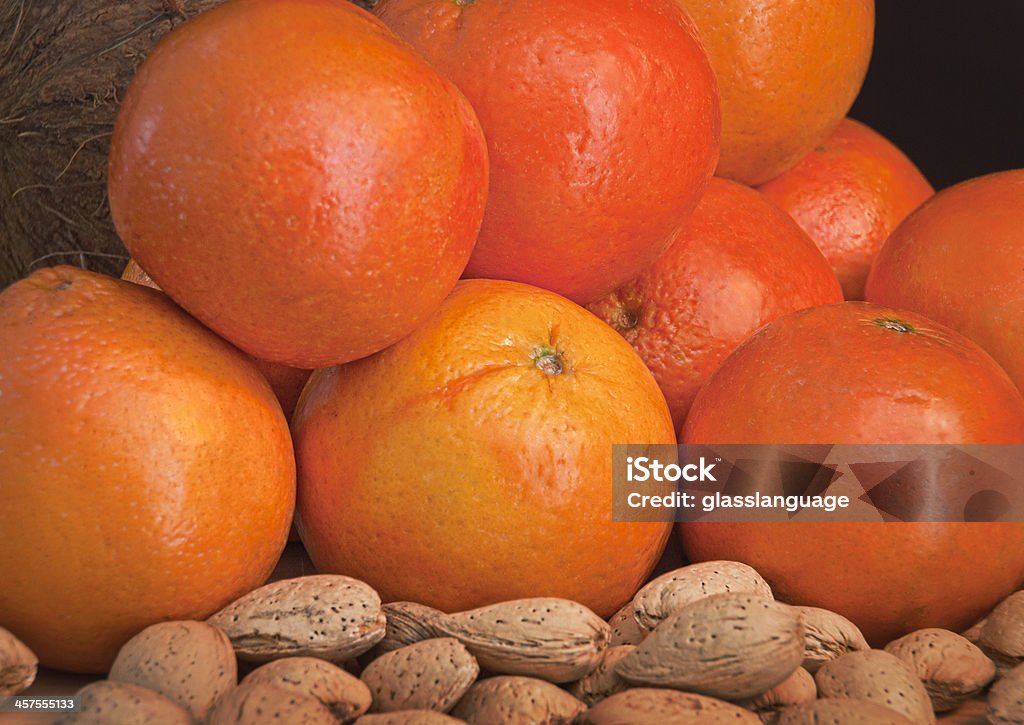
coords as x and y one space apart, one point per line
64 66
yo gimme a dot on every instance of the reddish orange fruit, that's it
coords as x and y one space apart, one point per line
848 194
787 73
297 178
863 373
471 462
286 381
146 470
960 260
739 262
602 127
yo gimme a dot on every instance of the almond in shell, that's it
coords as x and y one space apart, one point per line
515 700
107 702
18 664
1002 634
731 646
951 668
329 616
258 703
346 696
828 635
191 663
796 689
670 592
841 711
554 639
1006 699
878 676
428 675
654 706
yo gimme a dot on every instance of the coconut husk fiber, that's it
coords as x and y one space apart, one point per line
64 66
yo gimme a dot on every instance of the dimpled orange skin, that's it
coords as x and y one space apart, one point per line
146 469
834 375
452 470
787 73
739 262
602 125
293 175
960 260
848 194
286 382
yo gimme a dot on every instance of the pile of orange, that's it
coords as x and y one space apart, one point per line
408 276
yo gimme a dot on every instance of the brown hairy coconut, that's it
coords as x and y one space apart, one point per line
64 67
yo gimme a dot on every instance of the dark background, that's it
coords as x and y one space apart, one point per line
946 85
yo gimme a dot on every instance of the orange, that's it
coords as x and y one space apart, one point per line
739 262
297 178
146 470
471 462
959 259
285 381
787 73
602 125
848 194
862 373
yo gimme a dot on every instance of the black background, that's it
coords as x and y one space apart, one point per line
946 85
